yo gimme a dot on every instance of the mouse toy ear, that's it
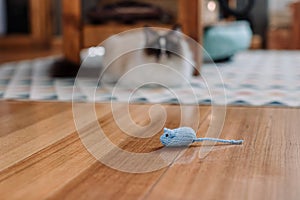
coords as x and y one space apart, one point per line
166 130
150 35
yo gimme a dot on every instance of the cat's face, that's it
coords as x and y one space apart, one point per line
159 45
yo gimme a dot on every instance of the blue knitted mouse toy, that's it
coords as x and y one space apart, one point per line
184 136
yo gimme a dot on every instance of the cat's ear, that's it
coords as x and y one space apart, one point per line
150 34
175 34
177 27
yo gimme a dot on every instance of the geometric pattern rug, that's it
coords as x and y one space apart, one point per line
252 78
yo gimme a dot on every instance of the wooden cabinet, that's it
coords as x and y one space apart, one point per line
287 37
295 7
40 27
279 38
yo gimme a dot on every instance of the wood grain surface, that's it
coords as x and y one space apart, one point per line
41 22
295 8
72 30
42 156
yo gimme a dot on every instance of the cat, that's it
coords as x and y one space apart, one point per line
148 57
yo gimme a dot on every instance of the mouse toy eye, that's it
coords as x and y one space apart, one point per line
167 135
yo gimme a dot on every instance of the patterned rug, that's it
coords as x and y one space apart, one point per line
255 78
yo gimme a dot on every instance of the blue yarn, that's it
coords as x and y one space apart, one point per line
184 136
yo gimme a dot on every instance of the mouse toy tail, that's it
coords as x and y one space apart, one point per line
219 140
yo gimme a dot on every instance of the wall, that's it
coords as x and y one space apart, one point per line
279 13
2 17
279 5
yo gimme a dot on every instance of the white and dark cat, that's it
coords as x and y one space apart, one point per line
148 57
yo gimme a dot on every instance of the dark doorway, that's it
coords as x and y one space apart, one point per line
17 16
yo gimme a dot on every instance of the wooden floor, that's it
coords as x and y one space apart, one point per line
42 156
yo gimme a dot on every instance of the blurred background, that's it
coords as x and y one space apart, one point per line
258 39
272 21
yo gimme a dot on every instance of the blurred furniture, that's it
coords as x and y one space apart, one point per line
40 27
295 7
279 38
77 35
256 42
235 10
287 37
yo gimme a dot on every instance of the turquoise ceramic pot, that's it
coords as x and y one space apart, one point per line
223 41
